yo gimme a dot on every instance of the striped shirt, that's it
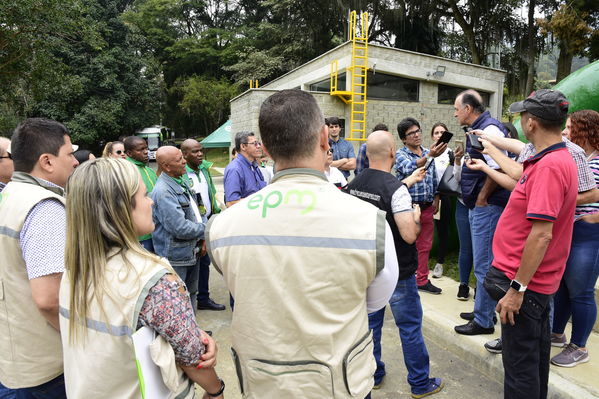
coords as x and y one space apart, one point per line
587 209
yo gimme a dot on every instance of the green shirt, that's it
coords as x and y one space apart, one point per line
149 178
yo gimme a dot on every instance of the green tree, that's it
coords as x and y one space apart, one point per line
574 25
109 89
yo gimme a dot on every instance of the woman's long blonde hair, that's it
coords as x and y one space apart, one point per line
100 198
107 152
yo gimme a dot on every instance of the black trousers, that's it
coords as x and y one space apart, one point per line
526 349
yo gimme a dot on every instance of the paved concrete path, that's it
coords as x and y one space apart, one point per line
469 371
462 380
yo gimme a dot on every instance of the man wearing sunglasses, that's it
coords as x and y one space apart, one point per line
242 175
6 165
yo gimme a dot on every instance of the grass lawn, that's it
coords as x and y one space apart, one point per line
219 156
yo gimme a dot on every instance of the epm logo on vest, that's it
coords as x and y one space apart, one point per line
275 198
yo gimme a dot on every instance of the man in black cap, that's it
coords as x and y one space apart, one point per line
531 245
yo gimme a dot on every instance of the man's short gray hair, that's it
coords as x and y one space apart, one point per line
242 138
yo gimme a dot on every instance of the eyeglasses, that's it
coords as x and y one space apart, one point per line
7 157
119 152
330 151
414 132
255 143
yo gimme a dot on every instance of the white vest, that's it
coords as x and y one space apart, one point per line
102 362
30 350
298 257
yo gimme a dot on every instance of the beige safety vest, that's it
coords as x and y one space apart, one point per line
104 364
298 257
30 350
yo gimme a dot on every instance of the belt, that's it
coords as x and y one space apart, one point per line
424 205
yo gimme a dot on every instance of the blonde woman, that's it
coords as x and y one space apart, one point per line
114 149
113 287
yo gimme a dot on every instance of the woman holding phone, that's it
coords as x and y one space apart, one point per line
575 297
443 217
113 287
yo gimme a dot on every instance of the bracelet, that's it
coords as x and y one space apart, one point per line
220 391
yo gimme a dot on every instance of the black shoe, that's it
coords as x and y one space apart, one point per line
210 305
494 346
472 328
430 288
463 292
470 316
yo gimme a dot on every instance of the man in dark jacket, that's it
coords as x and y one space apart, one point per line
377 186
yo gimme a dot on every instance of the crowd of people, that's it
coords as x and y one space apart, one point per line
98 251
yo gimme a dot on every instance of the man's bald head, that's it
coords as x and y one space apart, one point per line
6 164
188 144
379 145
171 161
166 154
473 99
193 152
4 143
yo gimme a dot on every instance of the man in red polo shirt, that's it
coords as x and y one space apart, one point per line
531 245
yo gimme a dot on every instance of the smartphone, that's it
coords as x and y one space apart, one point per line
428 163
459 144
445 137
474 143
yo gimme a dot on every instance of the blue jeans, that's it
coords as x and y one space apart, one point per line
203 278
53 389
190 275
576 296
7 393
407 312
465 256
483 221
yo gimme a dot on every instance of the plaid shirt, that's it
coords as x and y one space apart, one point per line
362 160
586 179
405 164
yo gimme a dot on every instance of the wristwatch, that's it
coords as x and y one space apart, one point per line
220 392
515 284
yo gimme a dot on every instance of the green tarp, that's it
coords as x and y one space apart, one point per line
221 137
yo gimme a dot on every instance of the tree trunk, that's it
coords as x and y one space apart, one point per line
532 51
468 31
564 63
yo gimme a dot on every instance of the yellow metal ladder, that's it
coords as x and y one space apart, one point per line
357 72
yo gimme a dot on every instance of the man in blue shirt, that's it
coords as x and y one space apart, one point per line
424 193
242 174
344 157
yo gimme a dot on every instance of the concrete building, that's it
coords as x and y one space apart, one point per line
400 84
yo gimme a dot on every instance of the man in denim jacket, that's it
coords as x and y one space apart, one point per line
179 225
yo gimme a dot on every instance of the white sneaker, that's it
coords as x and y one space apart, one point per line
438 270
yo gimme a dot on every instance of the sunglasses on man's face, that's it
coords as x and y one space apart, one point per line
119 152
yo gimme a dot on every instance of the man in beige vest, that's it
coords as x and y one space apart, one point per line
32 236
305 263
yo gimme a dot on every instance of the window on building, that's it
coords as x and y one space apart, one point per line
325 85
391 87
447 94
